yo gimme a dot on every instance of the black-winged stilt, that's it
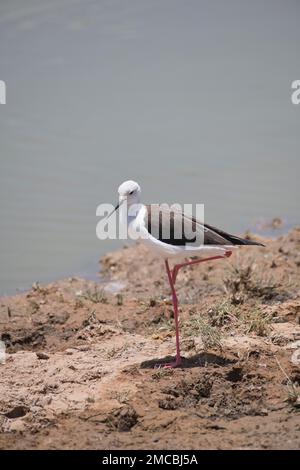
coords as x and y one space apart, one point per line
147 223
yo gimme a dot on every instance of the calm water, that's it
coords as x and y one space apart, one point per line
191 99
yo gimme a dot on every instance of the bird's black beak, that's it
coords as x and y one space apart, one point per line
115 209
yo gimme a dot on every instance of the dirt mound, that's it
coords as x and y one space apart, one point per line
83 364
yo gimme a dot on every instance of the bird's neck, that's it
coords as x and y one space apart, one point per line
130 213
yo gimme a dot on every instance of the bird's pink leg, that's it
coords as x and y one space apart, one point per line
196 261
177 362
172 275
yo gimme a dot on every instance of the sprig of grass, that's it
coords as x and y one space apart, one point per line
96 296
210 335
293 390
223 313
257 321
244 280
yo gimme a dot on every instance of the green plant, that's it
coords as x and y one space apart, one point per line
95 296
244 280
223 313
210 335
293 390
120 299
33 307
257 321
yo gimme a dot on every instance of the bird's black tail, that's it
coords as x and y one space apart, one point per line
242 241
233 239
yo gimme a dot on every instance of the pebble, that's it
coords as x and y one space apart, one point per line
17 425
69 351
42 355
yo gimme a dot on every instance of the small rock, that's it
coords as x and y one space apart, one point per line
295 358
42 355
69 351
17 426
83 347
293 345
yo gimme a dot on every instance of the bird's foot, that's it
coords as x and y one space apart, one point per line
169 365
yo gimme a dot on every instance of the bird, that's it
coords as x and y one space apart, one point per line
151 223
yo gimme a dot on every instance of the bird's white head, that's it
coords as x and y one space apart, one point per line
130 191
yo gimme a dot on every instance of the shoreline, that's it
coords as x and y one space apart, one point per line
270 229
81 355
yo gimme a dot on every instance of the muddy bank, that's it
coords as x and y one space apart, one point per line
81 356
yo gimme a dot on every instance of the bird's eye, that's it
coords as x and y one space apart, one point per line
131 192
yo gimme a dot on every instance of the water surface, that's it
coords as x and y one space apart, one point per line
191 99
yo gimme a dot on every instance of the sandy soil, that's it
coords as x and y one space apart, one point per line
81 366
